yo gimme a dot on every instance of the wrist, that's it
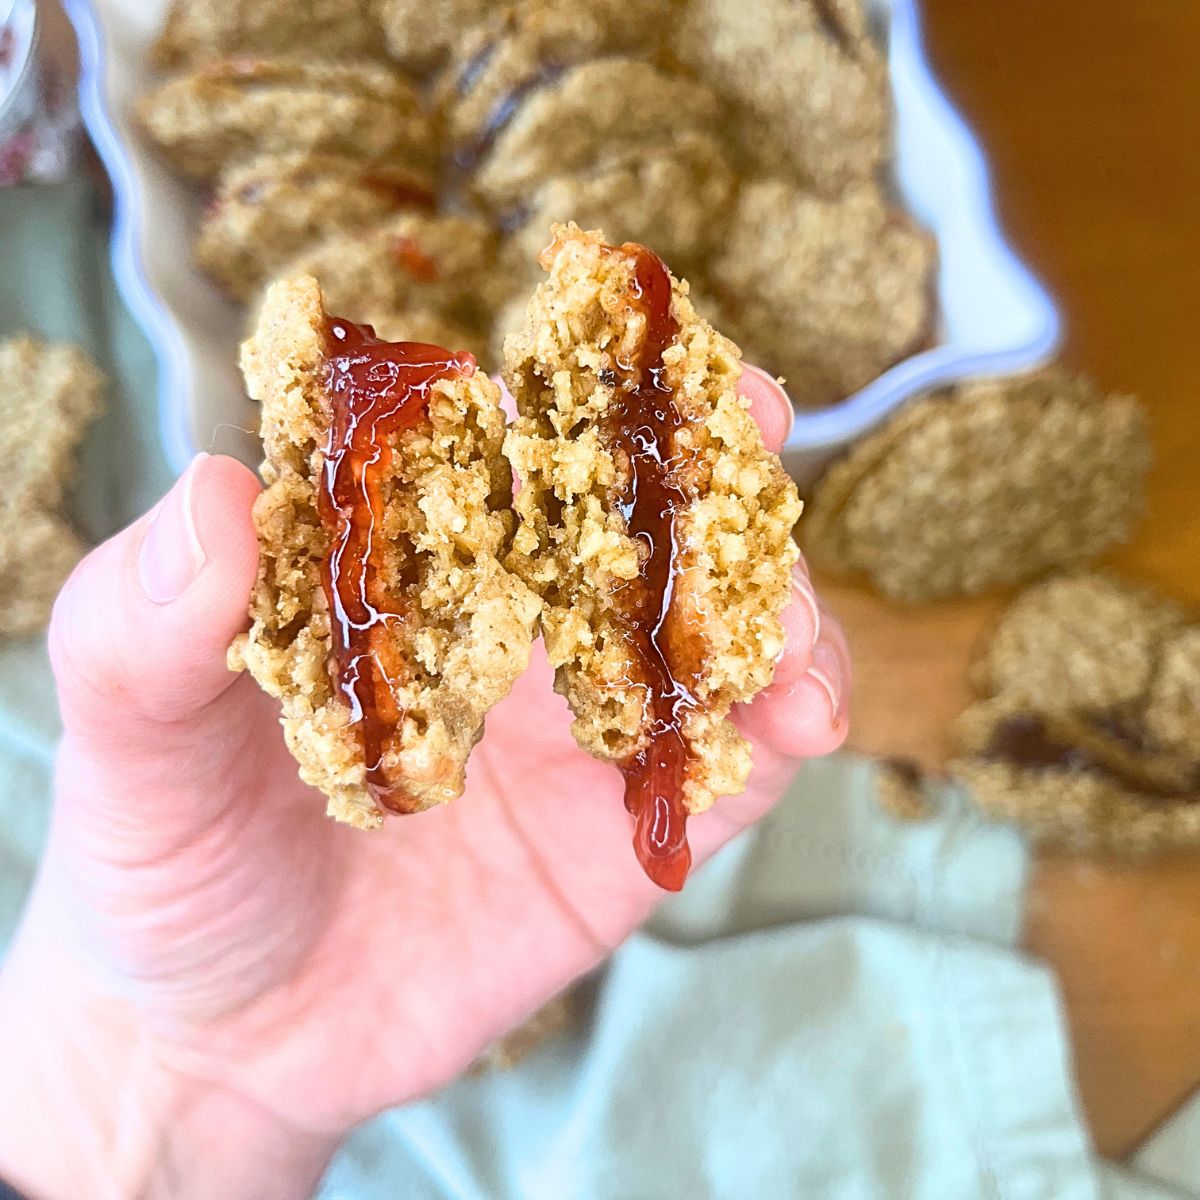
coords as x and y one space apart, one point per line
90 1105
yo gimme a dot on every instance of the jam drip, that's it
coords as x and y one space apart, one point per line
643 420
375 389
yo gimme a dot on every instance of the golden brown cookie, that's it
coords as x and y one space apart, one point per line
654 525
563 119
806 80
415 274
49 394
420 33
1072 781
383 617
1082 641
235 108
989 483
827 293
268 209
199 30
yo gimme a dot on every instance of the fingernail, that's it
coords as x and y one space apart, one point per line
172 553
826 672
789 409
804 589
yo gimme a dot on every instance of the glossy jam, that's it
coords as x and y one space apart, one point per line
375 389
642 424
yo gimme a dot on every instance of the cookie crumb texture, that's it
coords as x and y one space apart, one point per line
733 554
468 621
49 394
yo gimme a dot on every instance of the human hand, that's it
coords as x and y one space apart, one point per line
212 981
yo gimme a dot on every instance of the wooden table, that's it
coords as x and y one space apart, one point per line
1090 111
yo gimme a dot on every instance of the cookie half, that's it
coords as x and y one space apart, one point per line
383 617
235 108
653 524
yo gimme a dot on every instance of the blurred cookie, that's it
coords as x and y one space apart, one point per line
271 207
387 490
989 483
653 523
807 82
827 293
1083 641
1070 783
49 393
412 276
236 108
511 53
674 198
420 33
1173 703
199 30
564 119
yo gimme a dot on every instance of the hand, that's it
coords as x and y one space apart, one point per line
209 964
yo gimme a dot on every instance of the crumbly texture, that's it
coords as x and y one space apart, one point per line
420 33
1077 805
414 275
49 394
1173 704
732 575
564 125
1081 641
806 81
827 293
675 198
196 30
236 108
496 60
446 526
268 209
989 483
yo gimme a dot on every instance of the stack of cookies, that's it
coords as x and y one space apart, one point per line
413 155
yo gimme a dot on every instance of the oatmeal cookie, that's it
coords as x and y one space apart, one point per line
382 618
268 209
1173 703
653 523
49 394
1082 641
989 483
1068 780
420 33
199 30
806 80
236 108
675 198
827 293
417 274
561 121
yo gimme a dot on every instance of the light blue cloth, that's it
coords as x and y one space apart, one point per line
834 1007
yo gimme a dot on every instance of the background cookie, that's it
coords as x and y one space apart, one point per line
1083 641
990 483
196 30
420 33
269 208
1173 705
828 294
236 108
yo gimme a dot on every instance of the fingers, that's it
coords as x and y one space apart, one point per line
804 712
140 632
770 406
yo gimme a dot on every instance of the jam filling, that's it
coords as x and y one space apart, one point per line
414 261
375 389
642 425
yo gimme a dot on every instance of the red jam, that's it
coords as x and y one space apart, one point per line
414 261
375 388
644 419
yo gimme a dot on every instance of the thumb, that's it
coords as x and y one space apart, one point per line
140 631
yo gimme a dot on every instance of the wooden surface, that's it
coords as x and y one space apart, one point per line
1090 111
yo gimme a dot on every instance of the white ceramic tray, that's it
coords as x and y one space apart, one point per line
993 315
